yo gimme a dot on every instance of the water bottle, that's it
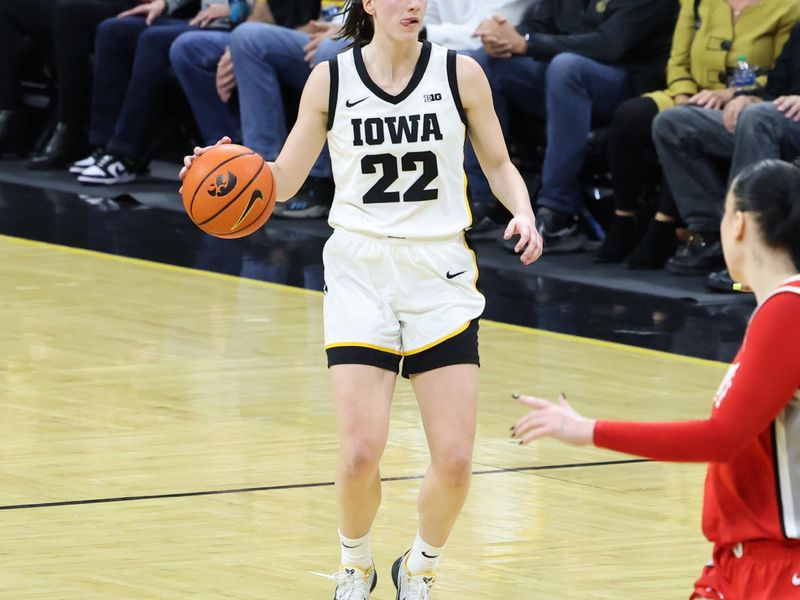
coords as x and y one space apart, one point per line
744 76
239 11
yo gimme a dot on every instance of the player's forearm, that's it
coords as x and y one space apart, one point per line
287 184
509 187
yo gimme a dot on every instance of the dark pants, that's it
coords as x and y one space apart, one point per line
74 30
568 93
692 141
20 19
632 157
131 68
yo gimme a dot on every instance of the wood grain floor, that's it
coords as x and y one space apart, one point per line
168 434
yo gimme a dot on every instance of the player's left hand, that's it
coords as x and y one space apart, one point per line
198 151
530 242
212 13
559 421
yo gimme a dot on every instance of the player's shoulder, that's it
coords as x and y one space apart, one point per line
781 308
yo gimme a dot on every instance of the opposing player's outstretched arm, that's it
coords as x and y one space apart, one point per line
490 147
307 137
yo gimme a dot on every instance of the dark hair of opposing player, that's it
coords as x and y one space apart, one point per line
358 24
770 189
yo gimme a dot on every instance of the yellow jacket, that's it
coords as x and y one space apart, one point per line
701 58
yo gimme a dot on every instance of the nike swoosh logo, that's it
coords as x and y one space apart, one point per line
349 104
796 580
452 275
257 195
428 555
350 547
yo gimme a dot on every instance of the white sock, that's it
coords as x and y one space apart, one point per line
423 557
356 552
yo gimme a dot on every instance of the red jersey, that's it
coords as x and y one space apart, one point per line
752 438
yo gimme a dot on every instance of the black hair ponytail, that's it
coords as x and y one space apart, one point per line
770 190
358 24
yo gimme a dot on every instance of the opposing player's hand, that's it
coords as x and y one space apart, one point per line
198 151
151 11
547 419
530 242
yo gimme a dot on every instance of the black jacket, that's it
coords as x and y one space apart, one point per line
294 13
634 34
784 79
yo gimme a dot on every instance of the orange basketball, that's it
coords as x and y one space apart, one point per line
229 192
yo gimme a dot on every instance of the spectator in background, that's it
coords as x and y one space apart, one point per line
131 66
691 143
709 37
567 63
18 21
74 26
274 50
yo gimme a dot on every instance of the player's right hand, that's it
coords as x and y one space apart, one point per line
151 11
188 160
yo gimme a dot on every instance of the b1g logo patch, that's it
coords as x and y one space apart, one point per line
432 97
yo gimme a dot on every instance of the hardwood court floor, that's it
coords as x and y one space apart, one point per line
168 434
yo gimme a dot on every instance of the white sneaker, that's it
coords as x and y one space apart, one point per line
109 170
80 166
411 587
353 583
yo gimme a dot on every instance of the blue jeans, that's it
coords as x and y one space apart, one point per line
131 66
194 57
265 57
568 93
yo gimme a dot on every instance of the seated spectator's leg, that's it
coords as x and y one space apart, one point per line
31 18
150 70
688 139
517 81
329 49
764 132
194 57
74 28
578 88
264 57
634 166
115 48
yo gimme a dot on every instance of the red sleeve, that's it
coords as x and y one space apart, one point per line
767 376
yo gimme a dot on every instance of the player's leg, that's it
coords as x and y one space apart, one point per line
448 400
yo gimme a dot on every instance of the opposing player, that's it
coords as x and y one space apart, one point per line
752 497
401 283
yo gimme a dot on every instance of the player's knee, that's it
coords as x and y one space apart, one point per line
454 467
362 457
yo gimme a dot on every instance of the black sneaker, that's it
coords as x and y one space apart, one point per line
699 255
313 200
559 231
110 169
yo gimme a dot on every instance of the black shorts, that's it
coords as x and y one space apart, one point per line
458 350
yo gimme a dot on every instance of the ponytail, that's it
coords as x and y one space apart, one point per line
770 190
358 24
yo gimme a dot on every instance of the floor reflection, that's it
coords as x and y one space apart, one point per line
291 254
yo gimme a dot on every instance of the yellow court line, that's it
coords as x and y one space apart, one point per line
295 290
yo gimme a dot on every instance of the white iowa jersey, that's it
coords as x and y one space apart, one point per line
398 161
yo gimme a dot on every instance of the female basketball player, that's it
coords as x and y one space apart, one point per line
752 497
401 284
